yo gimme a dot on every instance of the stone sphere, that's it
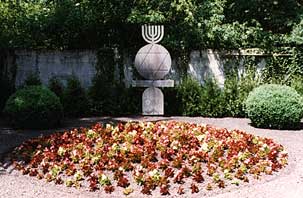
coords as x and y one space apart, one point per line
153 62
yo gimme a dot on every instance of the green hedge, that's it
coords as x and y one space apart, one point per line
209 100
33 107
274 106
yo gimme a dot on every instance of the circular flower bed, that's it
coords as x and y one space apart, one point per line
173 157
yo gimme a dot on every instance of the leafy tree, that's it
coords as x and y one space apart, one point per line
276 16
190 24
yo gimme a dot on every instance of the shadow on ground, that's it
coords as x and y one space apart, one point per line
298 127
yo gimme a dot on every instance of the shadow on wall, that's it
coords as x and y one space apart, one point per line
7 75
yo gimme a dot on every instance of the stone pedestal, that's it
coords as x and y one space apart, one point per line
152 101
152 98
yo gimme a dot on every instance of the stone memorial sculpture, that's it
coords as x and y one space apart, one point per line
153 63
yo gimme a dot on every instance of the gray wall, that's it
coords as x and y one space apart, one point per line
61 64
64 64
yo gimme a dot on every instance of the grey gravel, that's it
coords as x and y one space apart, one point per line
287 183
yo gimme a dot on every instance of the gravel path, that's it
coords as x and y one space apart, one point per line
287 183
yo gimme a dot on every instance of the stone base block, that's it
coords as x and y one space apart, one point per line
152 101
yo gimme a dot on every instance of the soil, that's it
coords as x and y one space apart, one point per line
286 183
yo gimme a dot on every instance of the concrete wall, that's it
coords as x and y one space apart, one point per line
64 64
61 64
206 63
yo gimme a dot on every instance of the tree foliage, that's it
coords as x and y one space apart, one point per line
274 15
65 24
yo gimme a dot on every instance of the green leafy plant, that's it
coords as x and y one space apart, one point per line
7 89
240 80
189 95
114 100
75 101
56 86
171 101
231 96
68 24
211 99
274 106
108 94
33 107
297 84
236 90
32 79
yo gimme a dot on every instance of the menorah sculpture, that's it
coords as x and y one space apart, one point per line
153 62
152 33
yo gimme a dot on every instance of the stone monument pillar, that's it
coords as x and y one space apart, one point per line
153 62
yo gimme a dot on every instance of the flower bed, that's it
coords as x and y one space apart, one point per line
170 156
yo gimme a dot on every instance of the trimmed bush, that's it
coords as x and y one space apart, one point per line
274 106
33 107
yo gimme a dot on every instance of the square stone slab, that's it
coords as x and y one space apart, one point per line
153 83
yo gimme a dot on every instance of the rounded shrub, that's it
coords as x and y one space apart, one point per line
274 106
33 107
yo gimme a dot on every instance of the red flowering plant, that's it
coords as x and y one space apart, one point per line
154 155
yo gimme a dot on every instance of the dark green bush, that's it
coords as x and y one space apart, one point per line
114 100
236 90
7 89
274 106
297 84
189 94
74 100
101 95
32 79
231 97
56 86
211 100
127 100
241 77
33 107
171 102
196 100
